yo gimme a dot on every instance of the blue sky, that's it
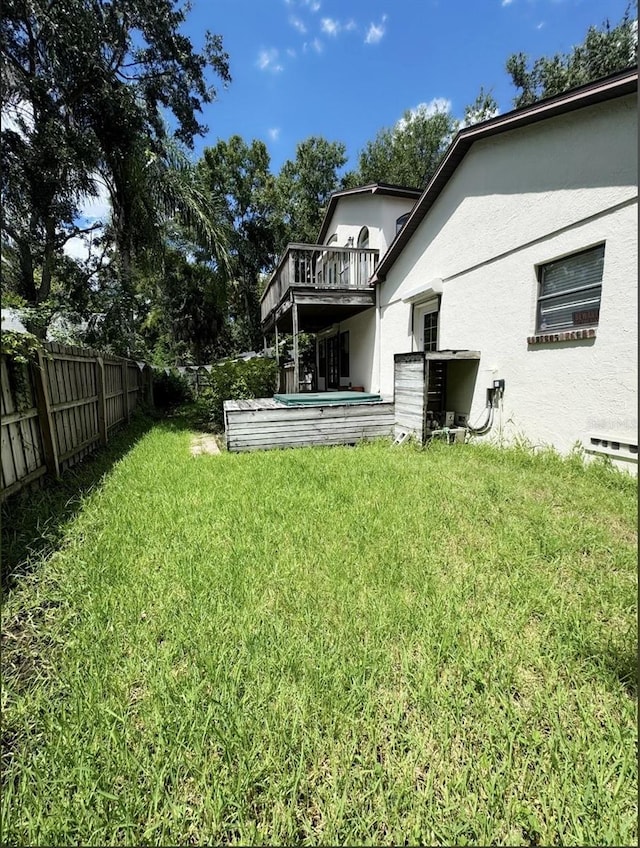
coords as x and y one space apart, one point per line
345 68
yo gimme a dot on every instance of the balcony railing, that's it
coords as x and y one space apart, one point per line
318 267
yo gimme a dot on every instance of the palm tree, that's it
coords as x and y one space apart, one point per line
153 192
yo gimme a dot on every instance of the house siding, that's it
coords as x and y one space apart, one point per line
517 200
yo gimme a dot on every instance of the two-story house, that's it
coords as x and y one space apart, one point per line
510 283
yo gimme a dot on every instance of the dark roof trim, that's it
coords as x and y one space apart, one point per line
372 188
616 85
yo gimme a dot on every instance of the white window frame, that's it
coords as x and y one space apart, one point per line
420 310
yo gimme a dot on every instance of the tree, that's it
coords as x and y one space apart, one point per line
239 173
304 185
85 82
483 108
158 201
604 51
187 314
408 153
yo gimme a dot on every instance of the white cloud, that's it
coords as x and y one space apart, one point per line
333 27
507 2
425 110
376 32
268 61
330 26
291 53
274 133
296 23
540 25
315 45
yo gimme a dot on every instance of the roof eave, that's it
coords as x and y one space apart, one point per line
609 88
371 188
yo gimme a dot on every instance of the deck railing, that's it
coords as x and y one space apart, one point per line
319 267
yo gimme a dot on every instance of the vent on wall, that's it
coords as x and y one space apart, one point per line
617 447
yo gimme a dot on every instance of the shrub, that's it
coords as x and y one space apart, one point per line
234 380
170 390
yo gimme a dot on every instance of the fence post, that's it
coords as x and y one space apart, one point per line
45 416
102 401
125 389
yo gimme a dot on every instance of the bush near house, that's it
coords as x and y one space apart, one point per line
170 390
235 380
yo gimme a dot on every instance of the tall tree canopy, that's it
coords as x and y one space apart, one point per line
239 173
88 85
604 50
304 185
408 153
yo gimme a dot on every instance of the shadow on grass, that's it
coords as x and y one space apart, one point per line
623 663
33 521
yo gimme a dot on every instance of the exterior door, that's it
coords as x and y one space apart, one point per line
426 326
333 363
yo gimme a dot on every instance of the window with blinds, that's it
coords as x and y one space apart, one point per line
570 290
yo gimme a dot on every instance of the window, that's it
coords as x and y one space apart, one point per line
569 291
363 238
401 221
344 354
430 331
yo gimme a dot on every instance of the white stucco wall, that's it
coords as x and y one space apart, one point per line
376 211
517 200
361 329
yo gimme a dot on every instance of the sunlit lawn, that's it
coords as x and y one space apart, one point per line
344 646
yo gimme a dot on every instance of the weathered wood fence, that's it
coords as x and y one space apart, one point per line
61 407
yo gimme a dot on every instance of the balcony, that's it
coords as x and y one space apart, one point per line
316 285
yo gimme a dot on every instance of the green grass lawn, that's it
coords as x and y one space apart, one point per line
366 645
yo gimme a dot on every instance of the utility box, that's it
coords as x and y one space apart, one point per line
427 385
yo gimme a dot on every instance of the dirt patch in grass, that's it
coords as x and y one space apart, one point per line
204 444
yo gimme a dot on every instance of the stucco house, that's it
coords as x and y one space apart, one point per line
504 294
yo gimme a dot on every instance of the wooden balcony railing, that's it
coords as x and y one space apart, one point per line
318 267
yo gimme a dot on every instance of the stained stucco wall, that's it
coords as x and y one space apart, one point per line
518 200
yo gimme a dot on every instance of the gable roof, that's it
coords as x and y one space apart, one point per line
372 188
615 85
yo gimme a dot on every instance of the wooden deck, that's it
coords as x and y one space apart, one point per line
263 423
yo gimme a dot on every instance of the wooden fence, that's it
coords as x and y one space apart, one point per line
61 407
